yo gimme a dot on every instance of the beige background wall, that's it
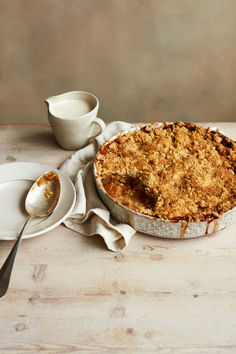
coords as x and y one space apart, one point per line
146 60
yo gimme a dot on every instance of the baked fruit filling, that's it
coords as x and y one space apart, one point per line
176 171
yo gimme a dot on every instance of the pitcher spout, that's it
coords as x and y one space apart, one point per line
48 101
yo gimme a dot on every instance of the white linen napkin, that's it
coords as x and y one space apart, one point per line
90 216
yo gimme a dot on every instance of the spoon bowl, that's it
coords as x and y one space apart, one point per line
43 196
40 201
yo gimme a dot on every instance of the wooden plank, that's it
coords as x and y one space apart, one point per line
68 293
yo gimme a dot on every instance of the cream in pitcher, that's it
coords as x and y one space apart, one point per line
72 116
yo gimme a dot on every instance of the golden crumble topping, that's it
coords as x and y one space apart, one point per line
175 171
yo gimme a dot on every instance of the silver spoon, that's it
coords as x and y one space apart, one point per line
40 201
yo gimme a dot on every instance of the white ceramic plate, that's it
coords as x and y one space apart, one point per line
15 180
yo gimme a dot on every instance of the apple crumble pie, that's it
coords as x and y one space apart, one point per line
177 171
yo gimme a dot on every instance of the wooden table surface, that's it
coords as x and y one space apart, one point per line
68 293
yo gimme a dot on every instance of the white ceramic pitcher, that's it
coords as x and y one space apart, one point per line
72 116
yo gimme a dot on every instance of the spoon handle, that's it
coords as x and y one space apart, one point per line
5 271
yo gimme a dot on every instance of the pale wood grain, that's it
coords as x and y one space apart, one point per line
68 293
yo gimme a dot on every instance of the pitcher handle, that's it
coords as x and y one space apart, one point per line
101 124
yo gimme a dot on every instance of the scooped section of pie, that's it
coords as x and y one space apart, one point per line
177 171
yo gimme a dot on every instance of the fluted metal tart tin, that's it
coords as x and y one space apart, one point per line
155 226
